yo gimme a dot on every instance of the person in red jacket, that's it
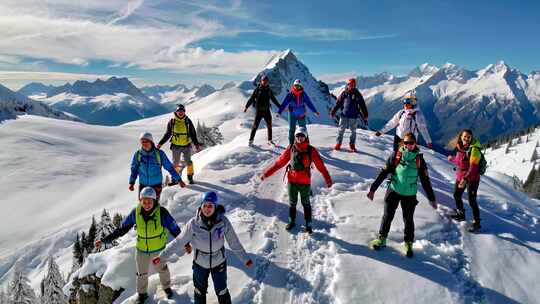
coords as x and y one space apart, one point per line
299 157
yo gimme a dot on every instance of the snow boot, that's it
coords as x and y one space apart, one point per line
458 215
290 226
250 143
378 243
474 227
352 147
407 249
337 147
190 179
142 298
169 293
308 228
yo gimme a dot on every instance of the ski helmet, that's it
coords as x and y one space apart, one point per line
301 130
210 197
148 192
180 108
147 136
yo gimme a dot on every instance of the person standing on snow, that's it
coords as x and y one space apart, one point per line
146 164
353 106
406 165
470 164
261 97
181 131
151 222
297 100
409 119
299 157
207 233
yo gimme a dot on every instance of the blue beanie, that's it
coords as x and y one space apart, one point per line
209 196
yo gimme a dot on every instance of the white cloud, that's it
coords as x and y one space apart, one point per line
337 77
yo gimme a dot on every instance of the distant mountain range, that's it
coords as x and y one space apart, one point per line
491 101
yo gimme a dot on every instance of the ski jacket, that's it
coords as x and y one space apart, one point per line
208 241
405 171
134 218
408 120
189 138
467 162
297 102
310 155
261 97
146 165
352 105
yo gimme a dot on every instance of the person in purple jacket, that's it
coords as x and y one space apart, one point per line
297 100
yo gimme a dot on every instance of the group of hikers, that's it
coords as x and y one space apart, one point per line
206 232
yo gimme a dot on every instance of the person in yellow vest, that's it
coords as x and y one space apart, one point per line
181 132
151 221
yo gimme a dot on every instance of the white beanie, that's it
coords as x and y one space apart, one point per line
297 82
146 135
300 130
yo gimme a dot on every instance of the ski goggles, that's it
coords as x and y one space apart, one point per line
408 101
409 143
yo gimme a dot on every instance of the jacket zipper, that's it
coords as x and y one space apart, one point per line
210 235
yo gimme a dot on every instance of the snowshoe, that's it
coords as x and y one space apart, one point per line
458 215
142 298
169 293
474 227
407 249
378 243
290 226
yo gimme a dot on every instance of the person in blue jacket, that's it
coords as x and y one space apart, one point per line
297 100
152 222
146 165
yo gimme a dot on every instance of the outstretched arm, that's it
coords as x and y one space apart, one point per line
283 160
422 126
134 169
310 104
234 242
177 245
285 103
127 224
274 99
319 164
392 123
424 179
167 135
387 169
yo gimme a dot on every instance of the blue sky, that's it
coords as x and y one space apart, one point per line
193 42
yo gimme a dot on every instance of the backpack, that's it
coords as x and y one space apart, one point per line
158 156
397 159
297 160
412 119
482 165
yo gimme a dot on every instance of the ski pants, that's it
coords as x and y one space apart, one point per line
303 191
182 159
143 264
260 115
344 124
472 190
219 277
293 121
408 205
156 188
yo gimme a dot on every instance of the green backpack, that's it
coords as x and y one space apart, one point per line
158 157
297 159
482 165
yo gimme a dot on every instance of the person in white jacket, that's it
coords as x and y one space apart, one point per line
409 119
207 232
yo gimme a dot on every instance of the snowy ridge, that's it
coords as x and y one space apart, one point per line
170 96
14 104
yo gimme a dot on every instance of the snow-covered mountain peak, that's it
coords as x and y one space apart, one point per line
424 69
499 68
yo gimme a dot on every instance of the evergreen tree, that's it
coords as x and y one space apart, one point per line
104 228
117 220
91 237
21 291
52 285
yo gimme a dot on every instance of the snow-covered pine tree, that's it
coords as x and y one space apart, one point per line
104 228
117 220
21 291
52 285
77 255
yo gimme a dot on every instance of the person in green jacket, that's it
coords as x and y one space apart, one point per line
406 165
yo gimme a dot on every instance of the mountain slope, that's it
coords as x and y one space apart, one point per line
111 102
170 96
14 104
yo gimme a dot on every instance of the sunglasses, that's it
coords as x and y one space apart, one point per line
409 143
300 136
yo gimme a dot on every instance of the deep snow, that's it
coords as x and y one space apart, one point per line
60 173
